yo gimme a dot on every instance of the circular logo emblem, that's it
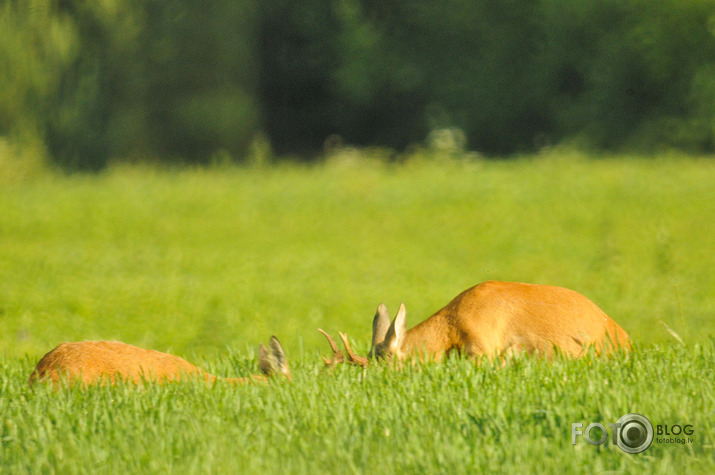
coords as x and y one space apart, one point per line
635 434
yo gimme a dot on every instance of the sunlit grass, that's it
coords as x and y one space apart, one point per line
193 260
207 263
451 417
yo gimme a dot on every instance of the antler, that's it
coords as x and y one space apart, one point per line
352 357
339 356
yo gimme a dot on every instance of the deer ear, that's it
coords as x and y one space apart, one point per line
400 324
264 361
380 324
396 332
279 357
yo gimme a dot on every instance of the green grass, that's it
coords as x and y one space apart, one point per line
207 263
436 418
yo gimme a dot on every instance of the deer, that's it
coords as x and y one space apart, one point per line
107 362
493 320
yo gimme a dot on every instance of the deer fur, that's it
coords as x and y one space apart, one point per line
101 362
502 318
494 319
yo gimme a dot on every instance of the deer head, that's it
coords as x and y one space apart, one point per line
387 338
273 361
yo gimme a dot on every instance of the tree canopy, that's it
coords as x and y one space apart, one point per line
186 79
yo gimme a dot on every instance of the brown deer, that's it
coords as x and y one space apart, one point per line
100 362
495 319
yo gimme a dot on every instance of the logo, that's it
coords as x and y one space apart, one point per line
633 433
671 433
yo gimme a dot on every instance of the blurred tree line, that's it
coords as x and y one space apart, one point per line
187 79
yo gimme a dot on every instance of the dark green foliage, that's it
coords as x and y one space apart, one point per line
630 72
174 79
297 52
189 79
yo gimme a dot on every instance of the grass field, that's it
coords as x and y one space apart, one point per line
207 263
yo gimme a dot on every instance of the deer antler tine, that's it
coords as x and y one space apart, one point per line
338 356
352 357
333 346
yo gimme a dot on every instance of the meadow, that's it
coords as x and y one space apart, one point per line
206 263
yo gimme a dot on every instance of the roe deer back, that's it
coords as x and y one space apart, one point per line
498 319
90 362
